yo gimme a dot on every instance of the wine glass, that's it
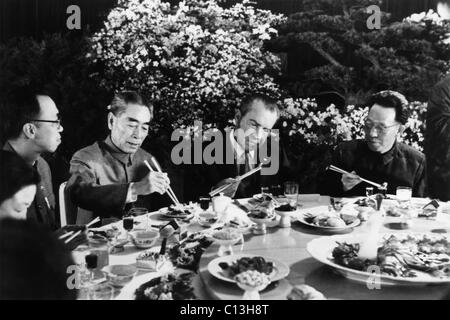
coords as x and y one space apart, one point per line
337 204
403 195
91 264
369 192
128 224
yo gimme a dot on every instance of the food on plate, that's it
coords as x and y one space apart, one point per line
167 287
401 256
226 234
151 260
187 253
252 278
305 292
261 213
366 202
181 210
329 219
238 223
430 210
207 219
247 263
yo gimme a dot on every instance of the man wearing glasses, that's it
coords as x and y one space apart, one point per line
254 121
110 176
380 157
31 127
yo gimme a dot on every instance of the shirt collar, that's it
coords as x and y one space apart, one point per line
387 156
238 150
8 147
124 158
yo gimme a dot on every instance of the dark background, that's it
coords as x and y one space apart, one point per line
36 17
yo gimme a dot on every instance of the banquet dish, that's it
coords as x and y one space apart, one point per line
286 208
187 253
330 220
402 256
226 234
239 224
247 263
261 213
252 279
144 239
207 219
406 259
179 211
152 261
227 267
167 287
305 292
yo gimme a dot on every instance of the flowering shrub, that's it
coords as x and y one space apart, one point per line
195 61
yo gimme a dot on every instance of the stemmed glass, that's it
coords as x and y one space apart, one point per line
291 192
128 223
91 264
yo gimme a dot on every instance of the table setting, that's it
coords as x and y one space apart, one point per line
222 251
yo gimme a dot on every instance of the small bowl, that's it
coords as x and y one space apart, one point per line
207 219
227 242
119 275
144 239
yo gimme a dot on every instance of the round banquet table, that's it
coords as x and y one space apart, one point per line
288 245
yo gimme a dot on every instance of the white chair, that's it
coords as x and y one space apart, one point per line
67 210
62 204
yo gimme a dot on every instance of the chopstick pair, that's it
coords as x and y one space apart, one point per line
339 170
97 219
169 191
238 178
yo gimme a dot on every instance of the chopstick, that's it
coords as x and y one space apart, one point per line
336 169
65 235
97 219
170 188
172 196
238 178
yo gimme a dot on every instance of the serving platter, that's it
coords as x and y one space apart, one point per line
321 249
280 269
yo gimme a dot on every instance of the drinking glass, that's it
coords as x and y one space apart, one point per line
204 202
369 192
265 190
136 212
403 195
291 192
101 292
128 223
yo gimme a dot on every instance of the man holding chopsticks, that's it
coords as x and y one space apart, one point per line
111 176
380 157
254 121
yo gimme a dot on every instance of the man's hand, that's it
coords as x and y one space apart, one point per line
231 190
349 181
78 240
153 182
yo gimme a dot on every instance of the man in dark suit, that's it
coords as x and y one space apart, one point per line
110 177
252 142
437 141
30 127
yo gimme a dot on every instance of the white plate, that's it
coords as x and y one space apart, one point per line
327 229
321 249
280 270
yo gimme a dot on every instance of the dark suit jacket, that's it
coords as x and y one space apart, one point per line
401 166
42 210
100 178
437 141
209 175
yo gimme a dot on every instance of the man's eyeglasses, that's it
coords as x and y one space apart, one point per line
57 122
379 127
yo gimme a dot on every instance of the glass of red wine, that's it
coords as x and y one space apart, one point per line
91 264
128 223
204 202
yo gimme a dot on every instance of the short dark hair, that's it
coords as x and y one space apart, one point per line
391 99
33 262
122 99
18 107
269 103
15 174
